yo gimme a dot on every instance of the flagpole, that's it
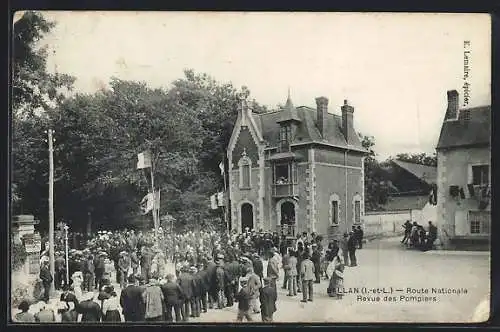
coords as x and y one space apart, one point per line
154 203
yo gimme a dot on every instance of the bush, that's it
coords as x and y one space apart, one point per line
18 255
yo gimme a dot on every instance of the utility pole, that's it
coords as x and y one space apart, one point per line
50 132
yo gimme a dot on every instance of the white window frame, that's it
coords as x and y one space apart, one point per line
334 198
481 227
470 174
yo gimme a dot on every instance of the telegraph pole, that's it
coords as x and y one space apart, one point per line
51 205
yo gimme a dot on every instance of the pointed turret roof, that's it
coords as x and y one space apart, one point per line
289 112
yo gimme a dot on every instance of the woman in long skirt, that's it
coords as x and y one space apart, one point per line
335 271
111 309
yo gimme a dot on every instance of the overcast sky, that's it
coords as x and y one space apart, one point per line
394 69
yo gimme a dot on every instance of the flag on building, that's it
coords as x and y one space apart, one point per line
220 199
221 167
213 202
143 160
147 203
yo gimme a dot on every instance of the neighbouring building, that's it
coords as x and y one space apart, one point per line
298 169
411 197
464 175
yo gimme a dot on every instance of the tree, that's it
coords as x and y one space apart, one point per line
32 86
33 89
376 189
418 158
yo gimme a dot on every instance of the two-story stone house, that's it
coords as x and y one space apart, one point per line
464 174
299 167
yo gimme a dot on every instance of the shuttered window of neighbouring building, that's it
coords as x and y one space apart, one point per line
335 212
357 212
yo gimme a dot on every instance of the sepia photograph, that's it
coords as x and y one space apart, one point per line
175 168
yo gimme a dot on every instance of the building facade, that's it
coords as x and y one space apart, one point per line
296 170
464 174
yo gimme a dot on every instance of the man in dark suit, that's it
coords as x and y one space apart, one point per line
351 248
60 271
90 310
185 281
173 297
131 301
212 291
258 266
202 278
195 300
268 297
232 270
46 278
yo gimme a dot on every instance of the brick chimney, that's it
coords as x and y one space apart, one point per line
321 114
452 110
347 119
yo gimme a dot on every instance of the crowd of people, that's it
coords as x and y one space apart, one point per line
415 235
124 275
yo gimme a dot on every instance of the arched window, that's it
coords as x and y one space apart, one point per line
245 165
334 212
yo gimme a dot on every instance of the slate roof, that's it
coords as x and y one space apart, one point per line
404 203
425 173
307 131
465 132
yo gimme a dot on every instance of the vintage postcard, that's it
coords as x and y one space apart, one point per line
173 167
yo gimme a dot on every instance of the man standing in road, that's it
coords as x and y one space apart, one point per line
344 246
268 299
307 272
131 301
273 268
46 277
351 248
432 235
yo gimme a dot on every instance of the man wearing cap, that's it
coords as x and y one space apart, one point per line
243 297
267 297
351 248
131 301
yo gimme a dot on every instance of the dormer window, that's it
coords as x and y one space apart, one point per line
285 137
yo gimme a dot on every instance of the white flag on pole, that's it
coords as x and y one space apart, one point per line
147 203
221 167
213 202
143 160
